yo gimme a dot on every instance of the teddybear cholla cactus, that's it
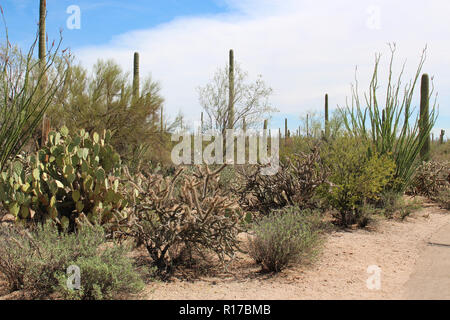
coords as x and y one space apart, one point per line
184 213
69 177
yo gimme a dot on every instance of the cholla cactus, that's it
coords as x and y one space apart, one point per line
186 210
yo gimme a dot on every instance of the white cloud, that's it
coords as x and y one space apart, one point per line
302 48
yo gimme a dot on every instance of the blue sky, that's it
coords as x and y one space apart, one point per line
302 48
101 19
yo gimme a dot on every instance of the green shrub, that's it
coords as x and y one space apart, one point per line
393 205
283 237
104 276
34 261
357 175
73 174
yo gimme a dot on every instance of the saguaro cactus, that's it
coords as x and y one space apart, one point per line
136 76
327 128
42 36
161 119
285 130
441 138
201 123
42 61
231 92
424 116
307 125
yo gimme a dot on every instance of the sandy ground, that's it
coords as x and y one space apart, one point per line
340 271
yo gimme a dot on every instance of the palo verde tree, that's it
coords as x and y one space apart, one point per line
109 100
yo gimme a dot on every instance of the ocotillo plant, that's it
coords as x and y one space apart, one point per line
231 92
399 136
441 138
424 116
327 129
136 76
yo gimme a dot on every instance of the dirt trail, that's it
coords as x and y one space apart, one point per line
339 273
431 278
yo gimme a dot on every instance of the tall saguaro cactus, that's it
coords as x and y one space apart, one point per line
201 123
136 76
42 36
285 130
327 126
162 122
42 61
231 91
425 116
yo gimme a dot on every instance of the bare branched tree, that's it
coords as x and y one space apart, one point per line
251 100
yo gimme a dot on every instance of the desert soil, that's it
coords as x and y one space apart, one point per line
339 272
400 248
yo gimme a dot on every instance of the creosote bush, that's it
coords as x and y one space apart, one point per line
285 236
36 261
358 175
187 210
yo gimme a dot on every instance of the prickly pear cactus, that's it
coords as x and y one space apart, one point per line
71 175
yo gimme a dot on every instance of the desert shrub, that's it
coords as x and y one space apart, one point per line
430 178
393 128
443 198
440 152
71 175
186 210
357 176
285 236
392 204
107 275
295 183
35 261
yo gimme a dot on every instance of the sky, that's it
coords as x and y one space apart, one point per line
302 48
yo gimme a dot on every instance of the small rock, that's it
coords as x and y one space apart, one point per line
8 218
